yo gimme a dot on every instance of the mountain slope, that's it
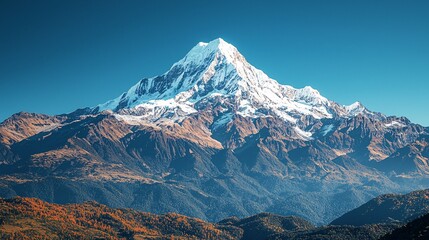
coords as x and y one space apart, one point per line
389 208
367 232
263 225
29 218
416 229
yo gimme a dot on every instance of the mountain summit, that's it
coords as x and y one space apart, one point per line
217 70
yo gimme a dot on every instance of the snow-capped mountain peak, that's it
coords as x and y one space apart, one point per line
217 69
202 51
355 108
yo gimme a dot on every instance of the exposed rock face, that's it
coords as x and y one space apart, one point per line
211 138
23 125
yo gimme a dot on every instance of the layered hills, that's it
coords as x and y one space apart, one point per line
30 218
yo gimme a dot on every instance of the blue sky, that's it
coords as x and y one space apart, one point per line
56 56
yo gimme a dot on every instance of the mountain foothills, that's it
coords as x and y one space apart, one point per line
417 229
30 218
385 217
211 138
388 208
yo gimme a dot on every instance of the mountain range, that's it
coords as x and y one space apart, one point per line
211 138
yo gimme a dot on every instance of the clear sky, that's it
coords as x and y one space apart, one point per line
56 56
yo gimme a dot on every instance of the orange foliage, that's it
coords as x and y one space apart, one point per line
30 218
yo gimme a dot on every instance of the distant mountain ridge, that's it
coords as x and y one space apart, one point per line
211 138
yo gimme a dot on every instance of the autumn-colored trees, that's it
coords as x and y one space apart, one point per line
30 218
